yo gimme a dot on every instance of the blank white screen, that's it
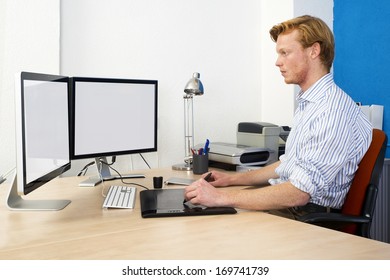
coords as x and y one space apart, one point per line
113 117
46 127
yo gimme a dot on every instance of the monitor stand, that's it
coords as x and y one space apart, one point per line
16 202
105 174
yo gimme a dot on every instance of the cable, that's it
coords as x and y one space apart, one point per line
145 161
121 178
85 169
113 160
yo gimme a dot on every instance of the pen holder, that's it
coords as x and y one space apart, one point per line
200 164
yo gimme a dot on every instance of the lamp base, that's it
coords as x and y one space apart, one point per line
182 167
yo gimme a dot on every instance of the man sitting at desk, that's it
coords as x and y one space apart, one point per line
329 135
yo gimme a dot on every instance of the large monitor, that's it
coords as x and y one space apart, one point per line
112 117
42 137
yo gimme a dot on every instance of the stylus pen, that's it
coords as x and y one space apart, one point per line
207 177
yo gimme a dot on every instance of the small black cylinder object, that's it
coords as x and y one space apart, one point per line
200 164
157 182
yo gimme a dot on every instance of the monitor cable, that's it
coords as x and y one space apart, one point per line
113 160
84 170
121 178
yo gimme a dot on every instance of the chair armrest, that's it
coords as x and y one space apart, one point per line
314 218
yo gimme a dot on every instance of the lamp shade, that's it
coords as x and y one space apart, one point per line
194 86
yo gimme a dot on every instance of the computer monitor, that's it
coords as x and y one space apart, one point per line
42 137
112 117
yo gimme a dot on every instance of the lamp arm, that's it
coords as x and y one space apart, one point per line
188 127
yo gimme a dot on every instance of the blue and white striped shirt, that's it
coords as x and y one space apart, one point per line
329 137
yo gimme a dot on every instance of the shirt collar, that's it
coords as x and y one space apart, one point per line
316 91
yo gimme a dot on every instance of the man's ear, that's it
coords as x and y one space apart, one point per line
315 50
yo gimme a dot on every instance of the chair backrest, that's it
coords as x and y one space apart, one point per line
361 197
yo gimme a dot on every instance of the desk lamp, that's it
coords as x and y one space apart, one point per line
194 87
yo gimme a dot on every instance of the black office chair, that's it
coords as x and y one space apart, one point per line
358 209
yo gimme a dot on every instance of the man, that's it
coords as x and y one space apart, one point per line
329 135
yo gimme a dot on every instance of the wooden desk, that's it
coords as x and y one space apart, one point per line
83 230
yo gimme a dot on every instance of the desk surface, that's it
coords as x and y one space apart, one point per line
83 230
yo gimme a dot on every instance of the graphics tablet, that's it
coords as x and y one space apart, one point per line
169 202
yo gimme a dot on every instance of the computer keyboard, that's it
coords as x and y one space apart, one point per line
120 197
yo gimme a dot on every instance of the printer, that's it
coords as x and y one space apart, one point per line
257 145
229 156
260 134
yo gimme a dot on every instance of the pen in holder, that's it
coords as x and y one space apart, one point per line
200 163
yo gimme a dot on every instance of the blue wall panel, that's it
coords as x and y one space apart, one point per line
362 62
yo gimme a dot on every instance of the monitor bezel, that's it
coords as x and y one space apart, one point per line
73 91
24 188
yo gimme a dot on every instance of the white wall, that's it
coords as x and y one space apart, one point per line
277 98
29 41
